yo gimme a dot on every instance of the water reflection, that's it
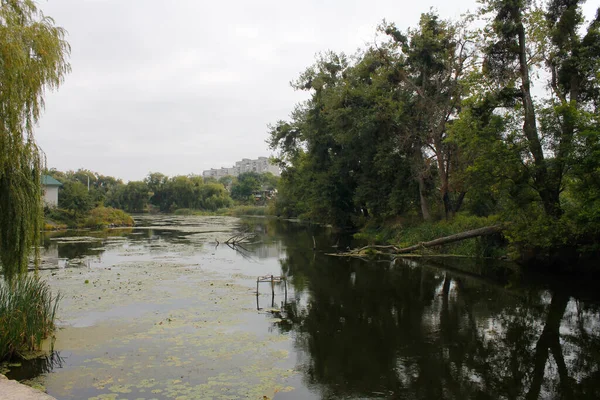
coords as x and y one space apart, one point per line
411 330
79 248
417 329
37 366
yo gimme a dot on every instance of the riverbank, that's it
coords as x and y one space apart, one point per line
501 241
235 211
13 390
403 233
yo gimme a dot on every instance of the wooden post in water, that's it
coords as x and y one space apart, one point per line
272 286
257 280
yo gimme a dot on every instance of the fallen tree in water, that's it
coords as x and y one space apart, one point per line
391 249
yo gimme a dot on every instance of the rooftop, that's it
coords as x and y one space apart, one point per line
47 180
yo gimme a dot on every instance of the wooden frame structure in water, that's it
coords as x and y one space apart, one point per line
272 279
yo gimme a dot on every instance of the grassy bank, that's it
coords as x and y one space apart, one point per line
27 311
236 211
99 217
404 234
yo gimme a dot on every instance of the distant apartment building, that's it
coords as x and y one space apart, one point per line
260 165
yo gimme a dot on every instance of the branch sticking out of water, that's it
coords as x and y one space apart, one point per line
240 237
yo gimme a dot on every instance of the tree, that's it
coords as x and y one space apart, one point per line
214 196
508 62
269 181
247 183
170 194
156 183
33 55
74 196
430 63
518 48
227 181
132 197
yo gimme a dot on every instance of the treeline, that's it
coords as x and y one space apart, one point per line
83 190
444 118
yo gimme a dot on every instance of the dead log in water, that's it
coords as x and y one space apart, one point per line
487 230
391 249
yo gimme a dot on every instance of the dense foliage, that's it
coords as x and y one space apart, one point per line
84 190
248 185
169 194
443 118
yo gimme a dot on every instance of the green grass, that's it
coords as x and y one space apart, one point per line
235 211
239 211
27 311
185 211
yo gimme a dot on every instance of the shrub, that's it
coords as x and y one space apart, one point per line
61 217
102 217
27 311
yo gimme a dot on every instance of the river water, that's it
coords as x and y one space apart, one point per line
161 311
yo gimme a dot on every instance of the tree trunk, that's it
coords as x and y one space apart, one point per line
488 230
423 198
391 249
549 197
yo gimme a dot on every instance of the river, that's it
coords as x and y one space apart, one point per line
163 311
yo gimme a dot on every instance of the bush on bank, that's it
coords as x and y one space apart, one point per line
99 217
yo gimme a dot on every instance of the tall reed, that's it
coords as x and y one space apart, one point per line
27 311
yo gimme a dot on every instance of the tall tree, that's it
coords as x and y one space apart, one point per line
571 119
519 45
33 55
431 62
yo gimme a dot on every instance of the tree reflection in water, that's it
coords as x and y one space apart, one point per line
412 330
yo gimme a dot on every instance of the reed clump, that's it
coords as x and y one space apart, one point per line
27 312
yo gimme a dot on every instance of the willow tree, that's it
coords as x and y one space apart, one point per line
33 58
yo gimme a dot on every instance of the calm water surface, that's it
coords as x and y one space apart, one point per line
347 329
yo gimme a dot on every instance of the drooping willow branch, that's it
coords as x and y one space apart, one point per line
33 58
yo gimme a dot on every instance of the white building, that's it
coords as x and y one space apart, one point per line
50 188
260 165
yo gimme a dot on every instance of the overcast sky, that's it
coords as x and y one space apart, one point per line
180 86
